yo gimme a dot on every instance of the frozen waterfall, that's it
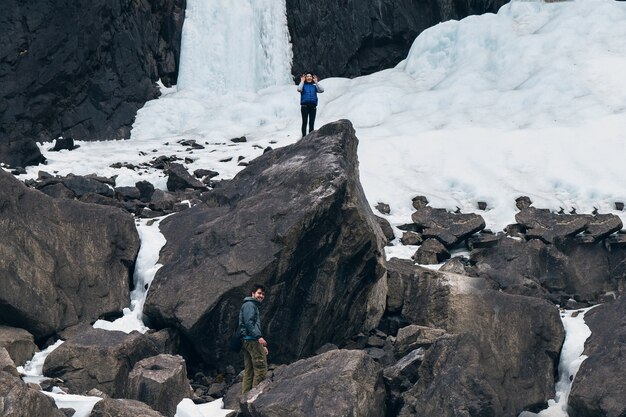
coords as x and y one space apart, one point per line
234 45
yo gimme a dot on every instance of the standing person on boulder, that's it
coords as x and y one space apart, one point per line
254 345
308 89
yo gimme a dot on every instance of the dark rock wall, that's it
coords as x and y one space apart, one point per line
81 69
357 37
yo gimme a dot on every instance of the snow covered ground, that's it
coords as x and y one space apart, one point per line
530 101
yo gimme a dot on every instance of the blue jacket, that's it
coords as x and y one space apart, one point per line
249 320
308 93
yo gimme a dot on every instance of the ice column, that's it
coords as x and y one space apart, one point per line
234 45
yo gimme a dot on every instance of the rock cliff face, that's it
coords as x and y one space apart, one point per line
81 69
358 37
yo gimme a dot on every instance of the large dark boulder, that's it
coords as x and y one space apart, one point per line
161 382
63 261
448 228
17 399
19 343
335 383
101 359
585 271
81 69
295 220
109 407
499 357
600 383
358 37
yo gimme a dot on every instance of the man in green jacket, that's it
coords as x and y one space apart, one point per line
254 345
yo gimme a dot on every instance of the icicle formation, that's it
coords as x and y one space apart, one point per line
234 45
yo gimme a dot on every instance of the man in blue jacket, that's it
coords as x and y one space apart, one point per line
254 345
308 89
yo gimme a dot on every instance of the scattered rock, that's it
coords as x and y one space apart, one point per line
161 382
239 140
547 226
448 228
383 208
180 179
523 202
96 358
619 206
109 407
419 202
336 383
431 252
413 337
481 205
483 240
386 228
19 343
64 144
202 173
411 238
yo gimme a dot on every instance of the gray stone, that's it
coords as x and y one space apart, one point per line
385 227
58 190
161 382
431 251
296 220
523 202
62 261
109 407
448 228
411 238
383 208
82 185
99 359
419 202
19 343
483 364
180 179
547 226
414 337
336 383
17 399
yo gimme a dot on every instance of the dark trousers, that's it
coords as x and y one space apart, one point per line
308 112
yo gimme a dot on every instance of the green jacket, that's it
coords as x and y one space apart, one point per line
249 319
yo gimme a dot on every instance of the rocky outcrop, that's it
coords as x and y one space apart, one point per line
101 359
63 262
295 220
600 383
161 382
335 383
358 37
19 343
109 407
19 400
81 70
483 364
568 270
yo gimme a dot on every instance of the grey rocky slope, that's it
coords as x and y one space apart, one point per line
295 220
63 262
